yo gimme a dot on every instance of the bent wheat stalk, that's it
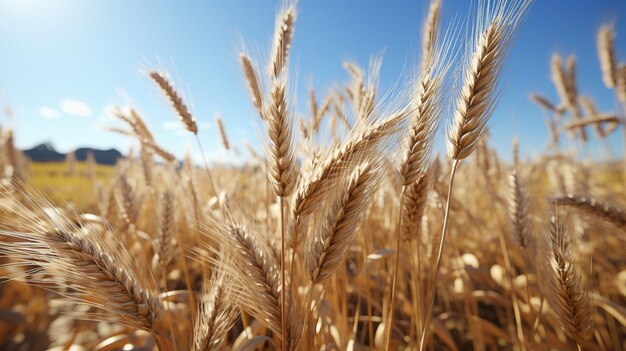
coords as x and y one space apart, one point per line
476 104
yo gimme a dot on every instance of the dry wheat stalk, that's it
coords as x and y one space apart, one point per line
590 110
597 120
420 139
606 54
134 120
559 79
141 132
160 151
222 132
331 242
283 35
621 83
475 106
543 102
175 100
615 215
482 74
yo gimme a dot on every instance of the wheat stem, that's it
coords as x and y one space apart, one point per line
516 309
395 274
431 299
283 301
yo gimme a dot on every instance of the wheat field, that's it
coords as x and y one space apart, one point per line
348 231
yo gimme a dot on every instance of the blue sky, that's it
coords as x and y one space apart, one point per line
63 62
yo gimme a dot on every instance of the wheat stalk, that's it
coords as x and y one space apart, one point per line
608 212
543 102
621 83
475 106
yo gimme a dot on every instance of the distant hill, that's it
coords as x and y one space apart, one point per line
46 153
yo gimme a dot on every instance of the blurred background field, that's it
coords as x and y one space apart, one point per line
62 186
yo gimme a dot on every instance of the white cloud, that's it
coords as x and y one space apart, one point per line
75 108
49 112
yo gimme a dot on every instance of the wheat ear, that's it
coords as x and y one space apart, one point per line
331 242
480 87
216 315
254 85
175 100
430 33
362 142
606 54
519 210
415 201
166 230
281 156
423 126
259 274
567 290
559 79
542 101
89 270
222 132
283 35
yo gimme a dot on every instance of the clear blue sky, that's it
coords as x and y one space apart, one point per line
63 62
